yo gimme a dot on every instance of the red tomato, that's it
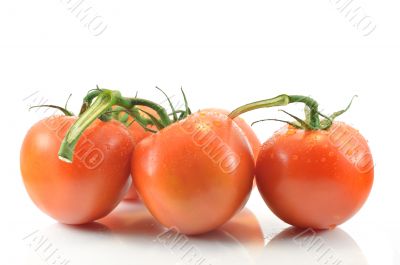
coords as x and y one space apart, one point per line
316 178
91 186
138 133
195 174
247 130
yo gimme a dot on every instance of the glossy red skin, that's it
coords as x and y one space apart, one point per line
251 136
182 185
246 129
138 133
91 186
316 179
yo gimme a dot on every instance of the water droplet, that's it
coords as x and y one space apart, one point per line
349 152
323 159
217 123
309 160
331 154
290 131
295 157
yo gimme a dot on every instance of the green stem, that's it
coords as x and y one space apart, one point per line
103 102
133 112
282 100
87 100
128 103
312 104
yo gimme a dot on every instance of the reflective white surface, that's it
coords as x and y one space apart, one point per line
131 236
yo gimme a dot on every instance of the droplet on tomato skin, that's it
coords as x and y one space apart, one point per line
290 132
309 160
295 157
323 159
331 154
217 123
349 152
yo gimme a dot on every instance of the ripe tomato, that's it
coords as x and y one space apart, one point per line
247 130
195 174
91 186
138 133
315 178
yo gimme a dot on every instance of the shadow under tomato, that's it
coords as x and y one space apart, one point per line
308 246
132 219
93 227
80 232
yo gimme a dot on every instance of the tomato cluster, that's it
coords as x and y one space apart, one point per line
194 171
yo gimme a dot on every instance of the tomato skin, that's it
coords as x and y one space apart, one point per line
246 129
138 133
181 179
316 179
91 186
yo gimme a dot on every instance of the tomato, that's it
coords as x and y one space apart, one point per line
89 187
138 133
246 129
315 178
194 175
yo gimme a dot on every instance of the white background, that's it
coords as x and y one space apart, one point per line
224 54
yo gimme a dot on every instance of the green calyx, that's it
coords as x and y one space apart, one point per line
312 119
64 109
